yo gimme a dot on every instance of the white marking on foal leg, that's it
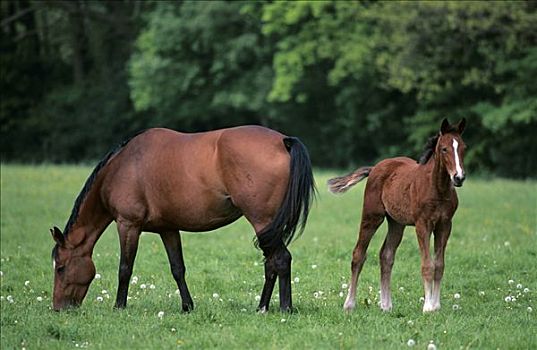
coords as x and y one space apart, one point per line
350 301
428 306
385 298
457 160
436 295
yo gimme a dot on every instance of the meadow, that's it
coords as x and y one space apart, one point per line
488 296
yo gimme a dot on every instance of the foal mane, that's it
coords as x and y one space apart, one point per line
428 151
91 179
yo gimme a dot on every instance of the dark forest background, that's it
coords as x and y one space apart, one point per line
356 81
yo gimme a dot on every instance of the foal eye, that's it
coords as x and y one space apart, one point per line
444 150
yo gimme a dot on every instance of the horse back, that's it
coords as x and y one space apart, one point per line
164 179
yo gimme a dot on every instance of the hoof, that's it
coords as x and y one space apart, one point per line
349 305
187 307
262 310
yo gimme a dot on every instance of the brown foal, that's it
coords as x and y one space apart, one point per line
409 193
164 181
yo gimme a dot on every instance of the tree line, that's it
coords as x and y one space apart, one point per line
357 81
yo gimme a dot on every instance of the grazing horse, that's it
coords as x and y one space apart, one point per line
409 193
164 181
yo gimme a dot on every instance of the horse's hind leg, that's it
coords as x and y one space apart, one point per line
174 249
277 265
387 256
129 235
368 227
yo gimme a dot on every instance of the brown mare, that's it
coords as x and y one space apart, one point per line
164 181
409 193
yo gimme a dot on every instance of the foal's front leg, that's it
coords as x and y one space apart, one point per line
174 249
441 236
423 231
129 235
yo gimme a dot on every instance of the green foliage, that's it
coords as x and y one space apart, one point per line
357 81
492 242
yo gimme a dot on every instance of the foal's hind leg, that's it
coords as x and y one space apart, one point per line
387 256
174 249
129 235
368 227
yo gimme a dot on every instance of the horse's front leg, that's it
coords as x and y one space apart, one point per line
174 249
423 231
129 235
441 236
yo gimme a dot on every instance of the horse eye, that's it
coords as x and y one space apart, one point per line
60 269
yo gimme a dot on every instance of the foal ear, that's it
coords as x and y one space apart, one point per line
460 127
445 127
57 235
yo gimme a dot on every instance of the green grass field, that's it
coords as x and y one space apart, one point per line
494 240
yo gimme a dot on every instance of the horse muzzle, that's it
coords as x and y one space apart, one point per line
458 180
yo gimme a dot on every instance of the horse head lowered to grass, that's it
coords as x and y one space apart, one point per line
407 193
164 181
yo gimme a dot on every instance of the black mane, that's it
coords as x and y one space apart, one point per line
91 180
428 151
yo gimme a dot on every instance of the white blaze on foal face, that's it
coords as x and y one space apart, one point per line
458 167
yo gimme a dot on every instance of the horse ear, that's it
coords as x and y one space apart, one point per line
461 126
444 128
57 235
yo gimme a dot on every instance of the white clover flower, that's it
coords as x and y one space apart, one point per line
173 330
1 274
402 289
297 279
160 314
529 309
100 299
481 293
507 299
152 286
177 291
243 310
257 297
215 295
134 280
26 283
283 320
456 296
410 323
510 281
506 243
341 294
10 298
410 342
344 286
456 307
143 286
314 266
316 294
97 276
526 290
104 291
431 346
513 299
519 286
422 299
39 299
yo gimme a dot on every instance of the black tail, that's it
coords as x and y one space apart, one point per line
295 208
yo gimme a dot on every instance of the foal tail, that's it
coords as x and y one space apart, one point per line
343 183
293 212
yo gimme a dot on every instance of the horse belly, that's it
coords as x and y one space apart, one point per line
193 216
398 205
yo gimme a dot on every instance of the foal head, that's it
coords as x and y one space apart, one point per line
450 150
73 272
